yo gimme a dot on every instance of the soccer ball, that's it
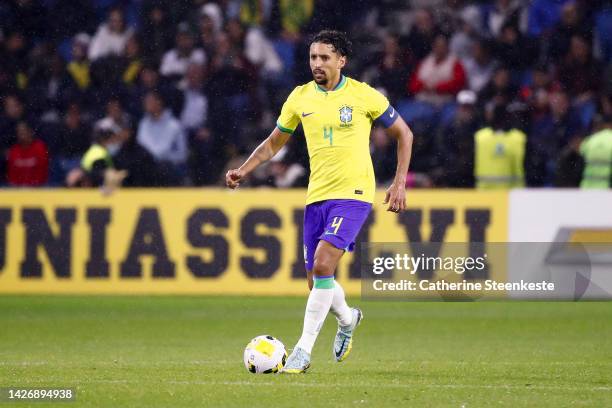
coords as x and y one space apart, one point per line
264 355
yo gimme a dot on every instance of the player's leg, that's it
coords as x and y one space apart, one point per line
345 219
314 224
319 302
322 293
339 307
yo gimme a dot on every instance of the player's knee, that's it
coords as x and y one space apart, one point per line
322 268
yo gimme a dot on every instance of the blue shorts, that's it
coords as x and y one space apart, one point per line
335 221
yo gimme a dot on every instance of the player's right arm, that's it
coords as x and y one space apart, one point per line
286 124
264 152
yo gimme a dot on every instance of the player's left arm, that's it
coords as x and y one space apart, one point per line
384 114
396 193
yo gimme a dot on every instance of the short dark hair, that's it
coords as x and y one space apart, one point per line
337 39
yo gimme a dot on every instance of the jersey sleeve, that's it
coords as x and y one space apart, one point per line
288 119
377 103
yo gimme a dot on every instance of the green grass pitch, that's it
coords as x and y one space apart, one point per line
187 352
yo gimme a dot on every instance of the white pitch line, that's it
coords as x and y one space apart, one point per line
113 363
360 385
218 362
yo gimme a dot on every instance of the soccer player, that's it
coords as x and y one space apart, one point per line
336 113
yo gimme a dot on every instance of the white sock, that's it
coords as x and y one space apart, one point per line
317 307
339 308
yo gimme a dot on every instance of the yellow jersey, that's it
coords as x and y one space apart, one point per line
337 126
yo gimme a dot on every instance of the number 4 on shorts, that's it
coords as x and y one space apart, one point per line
336 224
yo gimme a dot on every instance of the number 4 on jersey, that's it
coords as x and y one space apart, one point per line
328 133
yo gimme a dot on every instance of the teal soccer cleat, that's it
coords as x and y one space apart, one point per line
344 337
298 362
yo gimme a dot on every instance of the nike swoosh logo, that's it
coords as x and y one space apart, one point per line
392 113
306 114
341 347
328 233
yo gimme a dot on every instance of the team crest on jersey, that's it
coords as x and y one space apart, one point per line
346 115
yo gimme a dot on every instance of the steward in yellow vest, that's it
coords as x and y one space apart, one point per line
597 153
499 154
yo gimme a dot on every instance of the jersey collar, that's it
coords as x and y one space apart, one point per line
336 88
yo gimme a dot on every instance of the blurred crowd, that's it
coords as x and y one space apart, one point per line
175 92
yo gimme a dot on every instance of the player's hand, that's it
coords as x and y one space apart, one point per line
396 197
233 178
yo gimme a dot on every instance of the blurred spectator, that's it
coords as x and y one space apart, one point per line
517 52
579 70
537 93
295 15
284 172
570 166
75 133
391 73
111 36
421 37
208 157
505 12
500 90
28 159
255 12
260 52
211 22
97 161
455 144
14 112
229 66
131 60
150 80
383 158
464 38
571 24
50 88
597 153
73 138
195 105
439 76
580 74
543 15
174 63
479 65
14 57
116 116
78 68
157 29
214 14
162 135
551 133
130 156
499 153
